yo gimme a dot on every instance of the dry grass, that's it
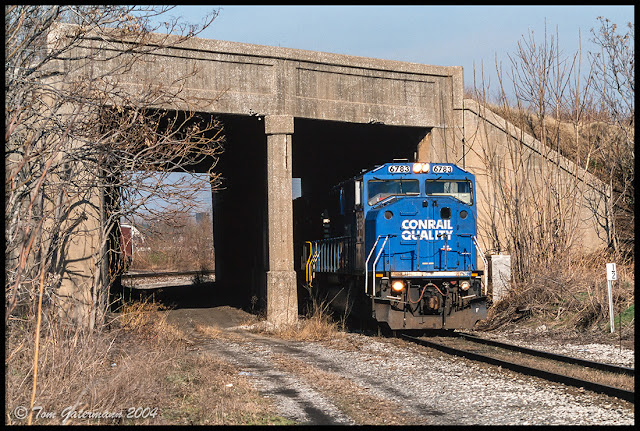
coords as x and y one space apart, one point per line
208 331
208 391
188 246
139 361
317 325
571 295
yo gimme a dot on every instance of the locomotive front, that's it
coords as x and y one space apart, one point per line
420 266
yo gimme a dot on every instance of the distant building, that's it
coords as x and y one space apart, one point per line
130 239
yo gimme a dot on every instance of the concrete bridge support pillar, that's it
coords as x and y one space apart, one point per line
282 295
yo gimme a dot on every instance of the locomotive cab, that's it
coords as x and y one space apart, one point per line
409 241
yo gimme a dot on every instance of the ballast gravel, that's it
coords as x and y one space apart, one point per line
536 339
436 389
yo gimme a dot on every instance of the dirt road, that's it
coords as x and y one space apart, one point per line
360 379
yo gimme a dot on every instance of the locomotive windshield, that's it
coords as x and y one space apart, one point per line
460 190
382 189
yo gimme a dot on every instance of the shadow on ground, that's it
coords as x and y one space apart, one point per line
204 295
205 304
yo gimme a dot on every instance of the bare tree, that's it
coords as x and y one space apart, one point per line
77 144
535 195
614 70
577 171
81 153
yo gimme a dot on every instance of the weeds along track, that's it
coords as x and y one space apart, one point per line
603 378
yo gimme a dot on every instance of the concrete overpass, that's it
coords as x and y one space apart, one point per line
290 114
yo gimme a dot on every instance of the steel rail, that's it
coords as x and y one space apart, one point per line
548 355
570 381
165 274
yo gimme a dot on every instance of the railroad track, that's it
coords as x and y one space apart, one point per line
490 353
151 280
166 274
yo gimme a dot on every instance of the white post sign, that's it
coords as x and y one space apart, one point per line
611 272
611 276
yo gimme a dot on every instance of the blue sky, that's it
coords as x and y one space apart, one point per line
438 35
464 36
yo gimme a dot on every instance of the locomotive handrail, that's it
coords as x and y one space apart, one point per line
366 264
312 261
329 255
308 265
486 264
375 262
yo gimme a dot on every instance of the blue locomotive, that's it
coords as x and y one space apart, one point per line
402 244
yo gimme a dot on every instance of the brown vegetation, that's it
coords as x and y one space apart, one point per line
65 127
585 114
570 295
185 244
137 360
317 325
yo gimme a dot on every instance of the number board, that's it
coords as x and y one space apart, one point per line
399 169
611 272
442 169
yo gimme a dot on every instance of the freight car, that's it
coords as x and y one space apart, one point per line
400 247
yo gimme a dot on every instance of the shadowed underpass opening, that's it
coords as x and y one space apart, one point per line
203 295
166 218
324 153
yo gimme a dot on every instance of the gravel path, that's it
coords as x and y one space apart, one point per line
358 379
295 399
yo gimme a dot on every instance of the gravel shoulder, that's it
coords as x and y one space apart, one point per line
359 379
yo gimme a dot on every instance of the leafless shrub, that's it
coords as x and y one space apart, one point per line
76 144
614 70
184 244
571 295
536 198
81 152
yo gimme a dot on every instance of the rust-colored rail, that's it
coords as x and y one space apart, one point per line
523 369
548 355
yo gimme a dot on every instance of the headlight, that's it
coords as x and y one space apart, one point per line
420 167
465 285
397 285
